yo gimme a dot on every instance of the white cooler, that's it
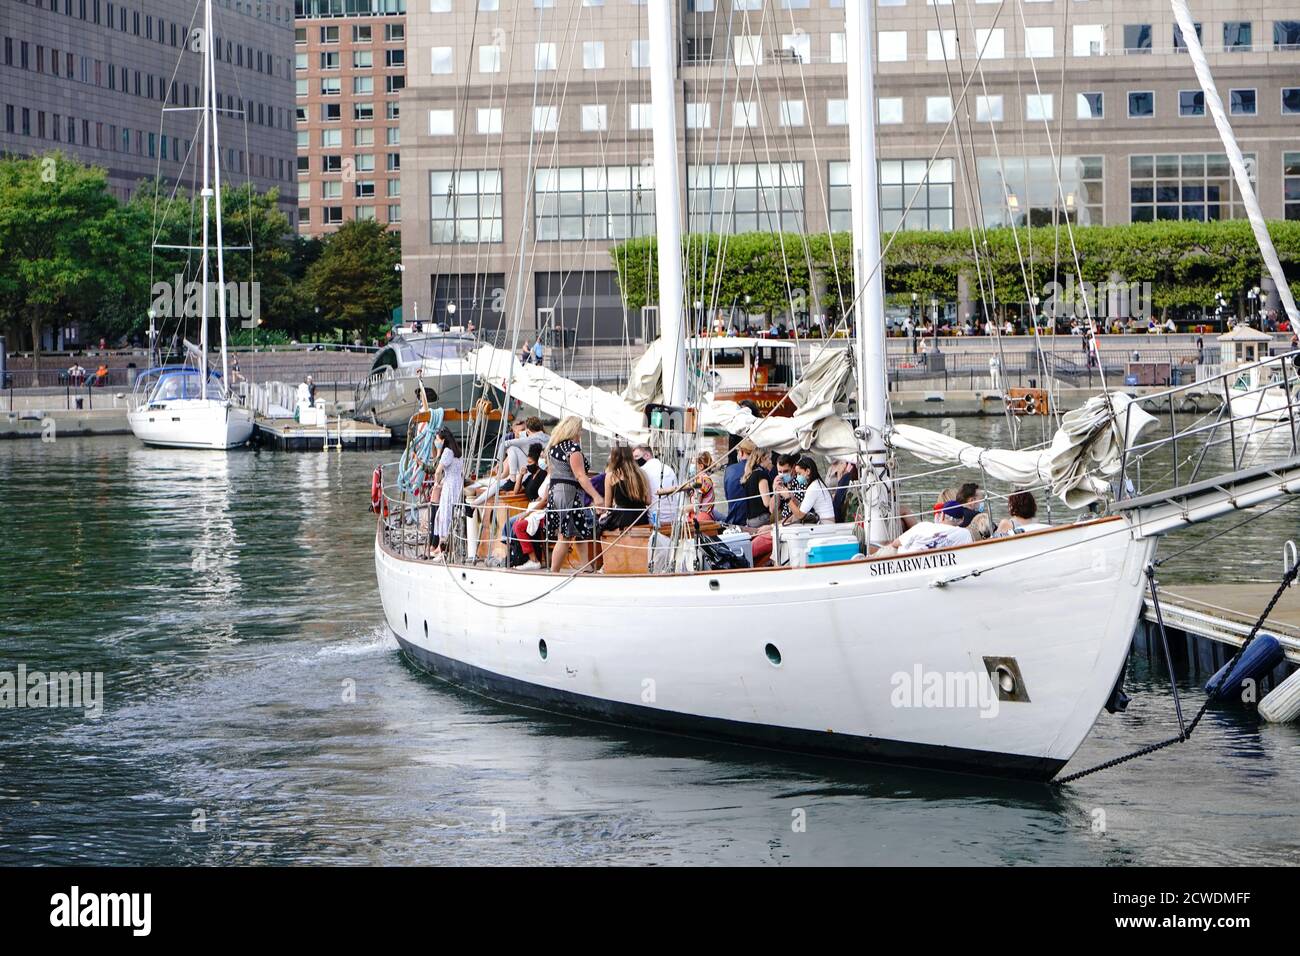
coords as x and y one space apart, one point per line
795 540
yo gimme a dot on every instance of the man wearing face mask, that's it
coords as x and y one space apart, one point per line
974 511
659 475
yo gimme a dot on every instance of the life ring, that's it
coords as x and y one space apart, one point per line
378 503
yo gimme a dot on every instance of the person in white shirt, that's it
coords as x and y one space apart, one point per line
659 475
810 498
1021 508
944 532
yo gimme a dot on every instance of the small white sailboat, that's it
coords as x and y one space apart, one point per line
191 405
994 657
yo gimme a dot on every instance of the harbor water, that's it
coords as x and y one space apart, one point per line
255 711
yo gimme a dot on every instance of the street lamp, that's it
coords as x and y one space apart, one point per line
1253 296
153 335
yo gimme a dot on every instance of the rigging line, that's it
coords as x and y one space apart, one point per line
879 264
1069 228
1254 516
987 296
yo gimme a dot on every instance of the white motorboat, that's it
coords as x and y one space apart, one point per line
413 361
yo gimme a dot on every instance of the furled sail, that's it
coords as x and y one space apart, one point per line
1086 452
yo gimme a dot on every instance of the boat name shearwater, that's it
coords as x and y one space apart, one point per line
920 563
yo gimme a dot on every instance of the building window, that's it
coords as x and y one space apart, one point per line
792 113
1024 191
544 57
394 33
797 47
360 137
394 59
1040 41
938 109
489 59
1137 38
891 46
988 109
837 112
394 84
440 6
593 55
363 112
465 205
489 120
1195 186
593 202
1237 35
363 85
1242 102
332 215
1180 44
1286 34
1038 107
746 197
889 109
900 180
1089 106
546 119
327 35
698 116
1141 104
748 50
1291 184
838 49
744 114
1191 103
638 52
478 298
362 33
1290 100
1089 40
640 116
440 60
362 59
594 118
941 44
990 43
442 123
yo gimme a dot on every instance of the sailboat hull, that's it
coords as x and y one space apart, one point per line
866 660
192 423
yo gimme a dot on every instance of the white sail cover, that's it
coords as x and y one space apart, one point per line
1214 104
1085 453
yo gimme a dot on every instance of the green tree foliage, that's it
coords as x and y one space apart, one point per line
1185 262
58 228
353 282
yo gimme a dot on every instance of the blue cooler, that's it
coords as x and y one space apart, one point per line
836 549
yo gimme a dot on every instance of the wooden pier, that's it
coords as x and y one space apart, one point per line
1206 623
286 434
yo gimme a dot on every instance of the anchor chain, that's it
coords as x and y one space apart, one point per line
1185 733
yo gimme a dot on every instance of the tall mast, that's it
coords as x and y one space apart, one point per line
1238 163
216 176
206 193
868 271
668 213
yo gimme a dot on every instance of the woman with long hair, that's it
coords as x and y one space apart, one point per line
567 518
627 493
809 499
449 481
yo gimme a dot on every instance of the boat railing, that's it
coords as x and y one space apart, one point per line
1252 428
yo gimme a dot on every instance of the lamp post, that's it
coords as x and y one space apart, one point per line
1033 312
153 336
1255 312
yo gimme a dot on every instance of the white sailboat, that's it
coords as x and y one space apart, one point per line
995 657
191 406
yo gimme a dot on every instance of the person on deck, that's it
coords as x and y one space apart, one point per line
814 505
944 532
568 520
1021 511
702 488
449 482
659 475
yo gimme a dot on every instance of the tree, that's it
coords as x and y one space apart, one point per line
354 283
58 225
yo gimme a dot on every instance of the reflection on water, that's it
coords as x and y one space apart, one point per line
230 602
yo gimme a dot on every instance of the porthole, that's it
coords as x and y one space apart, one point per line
714 584
541 649
773 655
1006 680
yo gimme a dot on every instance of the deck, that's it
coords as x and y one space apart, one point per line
286 434
1214 619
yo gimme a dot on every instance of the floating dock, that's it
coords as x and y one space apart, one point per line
1206 623
286 434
